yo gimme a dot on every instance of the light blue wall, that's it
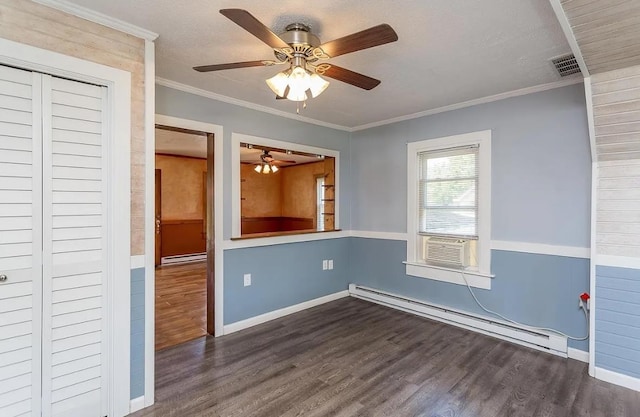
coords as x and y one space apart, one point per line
541 193
541 190
236 119
137 332
282 275
539 290
541 167
618 320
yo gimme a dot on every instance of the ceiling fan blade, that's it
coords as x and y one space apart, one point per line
350 77
232 65
368 38
283 161
245 20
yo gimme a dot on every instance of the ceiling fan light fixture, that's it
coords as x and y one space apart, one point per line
297 95
317 85
274 169
258 169
296 82
266 169
278 83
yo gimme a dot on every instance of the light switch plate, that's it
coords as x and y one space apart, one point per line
247 280
325 265
330 263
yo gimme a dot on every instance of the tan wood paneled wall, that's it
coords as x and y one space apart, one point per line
182 187
616 111
43 27
607 32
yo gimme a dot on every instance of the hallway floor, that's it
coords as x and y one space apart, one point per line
181 300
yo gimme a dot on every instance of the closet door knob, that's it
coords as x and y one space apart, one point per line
3 278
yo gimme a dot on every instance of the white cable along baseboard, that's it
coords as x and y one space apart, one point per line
535 339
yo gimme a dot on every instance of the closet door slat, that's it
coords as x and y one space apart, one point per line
20 240
74 224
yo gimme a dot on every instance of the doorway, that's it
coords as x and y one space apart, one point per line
184 236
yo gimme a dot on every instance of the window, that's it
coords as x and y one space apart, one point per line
448 216
448 202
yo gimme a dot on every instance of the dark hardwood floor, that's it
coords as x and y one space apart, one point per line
181 303
354 358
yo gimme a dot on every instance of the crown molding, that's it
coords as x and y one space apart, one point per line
102 19
509 94
230 100
474 102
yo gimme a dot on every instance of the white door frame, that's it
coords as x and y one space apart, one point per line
149 316
118 150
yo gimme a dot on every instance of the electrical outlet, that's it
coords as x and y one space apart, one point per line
247 280
330 263
325 265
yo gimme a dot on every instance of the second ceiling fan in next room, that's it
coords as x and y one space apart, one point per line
304 56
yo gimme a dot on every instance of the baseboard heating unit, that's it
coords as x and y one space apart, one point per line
180 259
546 342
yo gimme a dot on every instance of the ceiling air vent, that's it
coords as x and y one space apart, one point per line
566 65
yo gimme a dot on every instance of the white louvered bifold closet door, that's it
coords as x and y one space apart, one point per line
20 242
53 356
74 223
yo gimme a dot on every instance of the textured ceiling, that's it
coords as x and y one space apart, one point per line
177 143
449 51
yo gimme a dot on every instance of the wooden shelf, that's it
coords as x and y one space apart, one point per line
328 199
328 185
328 214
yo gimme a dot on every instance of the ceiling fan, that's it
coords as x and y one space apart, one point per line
302 51
269 164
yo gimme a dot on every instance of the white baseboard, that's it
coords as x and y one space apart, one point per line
618 379
577 354
136 404
263 318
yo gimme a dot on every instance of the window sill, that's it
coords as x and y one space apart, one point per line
451 275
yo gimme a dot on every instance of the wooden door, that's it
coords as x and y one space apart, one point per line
20 242
158 218
209 221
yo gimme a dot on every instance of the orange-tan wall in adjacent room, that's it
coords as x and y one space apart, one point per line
299 183
260 193
182 186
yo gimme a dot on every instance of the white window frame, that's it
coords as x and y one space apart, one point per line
236 140
414 267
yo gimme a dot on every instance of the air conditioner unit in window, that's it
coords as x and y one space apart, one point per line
447 251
